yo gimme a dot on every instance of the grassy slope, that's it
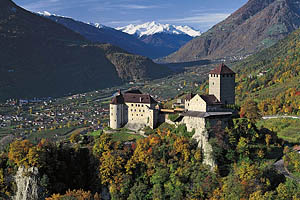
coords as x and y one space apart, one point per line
287 129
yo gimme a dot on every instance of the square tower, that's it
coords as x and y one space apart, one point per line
222 84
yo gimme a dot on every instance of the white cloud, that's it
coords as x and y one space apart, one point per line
198 19
123 22
135 6
42 5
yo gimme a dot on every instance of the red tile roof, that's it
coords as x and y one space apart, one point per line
134 91
117 100
210 99
296 148
133 98
189 96
139 98
222 69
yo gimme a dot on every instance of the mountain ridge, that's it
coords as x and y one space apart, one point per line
255 26
41 58
154 46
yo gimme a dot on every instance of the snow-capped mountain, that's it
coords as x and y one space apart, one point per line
151 28
155 44
97 25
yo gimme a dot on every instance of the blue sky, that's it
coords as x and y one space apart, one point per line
200 14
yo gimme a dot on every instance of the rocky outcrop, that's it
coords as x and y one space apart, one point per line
202 137
27 181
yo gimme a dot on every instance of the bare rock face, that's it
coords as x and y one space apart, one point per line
202 137
27 181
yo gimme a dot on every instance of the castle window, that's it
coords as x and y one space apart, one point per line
131 104
143 110
213 83
139 110
142 115
134 110
131 110
137 115
139 105
142 105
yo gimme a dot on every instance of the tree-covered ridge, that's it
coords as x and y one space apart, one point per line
272 77
164 165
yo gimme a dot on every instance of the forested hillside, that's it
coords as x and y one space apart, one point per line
165 165
272 77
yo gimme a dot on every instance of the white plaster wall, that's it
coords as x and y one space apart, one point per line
215 85
113 116
138 113
186 105
197 104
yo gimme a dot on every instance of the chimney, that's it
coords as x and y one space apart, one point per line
141 99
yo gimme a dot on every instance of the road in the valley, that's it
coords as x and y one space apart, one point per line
279 165
280 116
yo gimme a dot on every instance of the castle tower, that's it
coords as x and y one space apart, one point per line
222 84
116 111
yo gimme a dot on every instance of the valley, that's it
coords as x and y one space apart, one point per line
149 110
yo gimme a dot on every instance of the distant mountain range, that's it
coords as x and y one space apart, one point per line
257 25
165 37
151 28
96 32
155 45
42 58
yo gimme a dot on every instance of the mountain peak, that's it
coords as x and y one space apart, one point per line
256 25
151 28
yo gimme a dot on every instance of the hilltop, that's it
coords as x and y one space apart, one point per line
257 25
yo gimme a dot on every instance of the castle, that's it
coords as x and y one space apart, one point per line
135 110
